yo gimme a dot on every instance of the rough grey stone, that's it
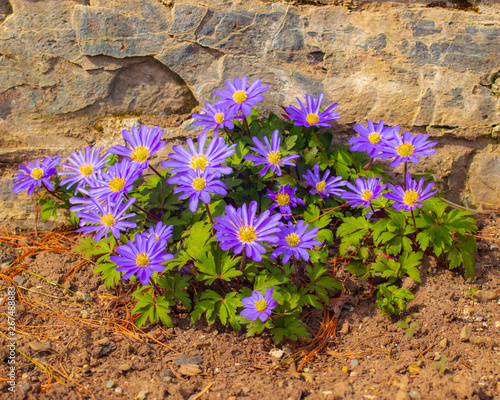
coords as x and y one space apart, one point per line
69 69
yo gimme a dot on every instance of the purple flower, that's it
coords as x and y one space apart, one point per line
269 154
214 117
259 306
324 187
237 96
241 229
144 142
310 114
117 180
212 157
412 197
83 167
105 217
35 174
363 191
284 199
371 138
141 257
407 148
295 240
197 185
160 232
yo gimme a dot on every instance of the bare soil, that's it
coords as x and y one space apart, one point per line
71 349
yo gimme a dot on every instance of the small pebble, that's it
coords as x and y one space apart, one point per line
102 342
403 396
414 395
437 358
276 353
493 247
19 280
124 367
142 395
345 328
85 314
245 389
354 363
119 390
85 296
466 333
443 343
110 384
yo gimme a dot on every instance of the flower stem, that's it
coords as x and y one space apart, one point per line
52 192
406 168
246 125
243 259
228 135
369 164
152 216
414 222
155 171
210 216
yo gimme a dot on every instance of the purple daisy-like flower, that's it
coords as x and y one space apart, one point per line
144 142
259 306
160 232
372 138
141 257
106 216
198 185
35 174
82 167
324 187
237 96
211 157
284 199
310 114
214 118
117 180
295 240
241 229
412 197
407 148
363 191
269 154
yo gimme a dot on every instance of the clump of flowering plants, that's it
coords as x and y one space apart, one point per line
242 223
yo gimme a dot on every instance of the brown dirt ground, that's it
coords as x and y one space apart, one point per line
70 349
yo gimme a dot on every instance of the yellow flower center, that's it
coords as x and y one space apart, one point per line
405 149
312 118
37 173
367 195
198 161
86 169
282 199
320 186
199 183
219 118
292 240
240 96
142 260
157 237
261 305
247 234
410 197
108 220
116 184
274 157
374 138
140 154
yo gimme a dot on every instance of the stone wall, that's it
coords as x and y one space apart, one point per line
76 72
